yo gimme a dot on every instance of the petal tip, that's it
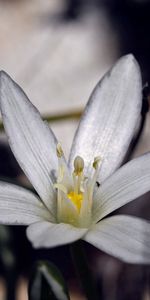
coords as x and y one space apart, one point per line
4 75
130 61
129 68
128 58
5 80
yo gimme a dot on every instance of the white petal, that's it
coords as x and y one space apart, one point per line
110 117
127 238
126 184
47 235
19 206
31 140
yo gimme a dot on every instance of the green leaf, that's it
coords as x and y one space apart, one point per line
47 283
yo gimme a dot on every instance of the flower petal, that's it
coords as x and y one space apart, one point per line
31 140
19 206
127 238
47 235
110 118
126 184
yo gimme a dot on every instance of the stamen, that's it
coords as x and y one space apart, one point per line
59 150
78 165
60 187
61 172
75 183
93 179
96 162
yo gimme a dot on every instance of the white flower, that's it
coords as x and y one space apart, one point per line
75 199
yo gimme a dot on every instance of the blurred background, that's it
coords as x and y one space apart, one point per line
57 50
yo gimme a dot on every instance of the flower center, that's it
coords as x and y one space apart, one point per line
75 191
76 199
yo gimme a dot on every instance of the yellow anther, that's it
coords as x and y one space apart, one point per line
59 150
76 199
96 161
78 165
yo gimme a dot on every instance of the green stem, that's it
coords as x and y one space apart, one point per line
83 271
57 117
63 116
